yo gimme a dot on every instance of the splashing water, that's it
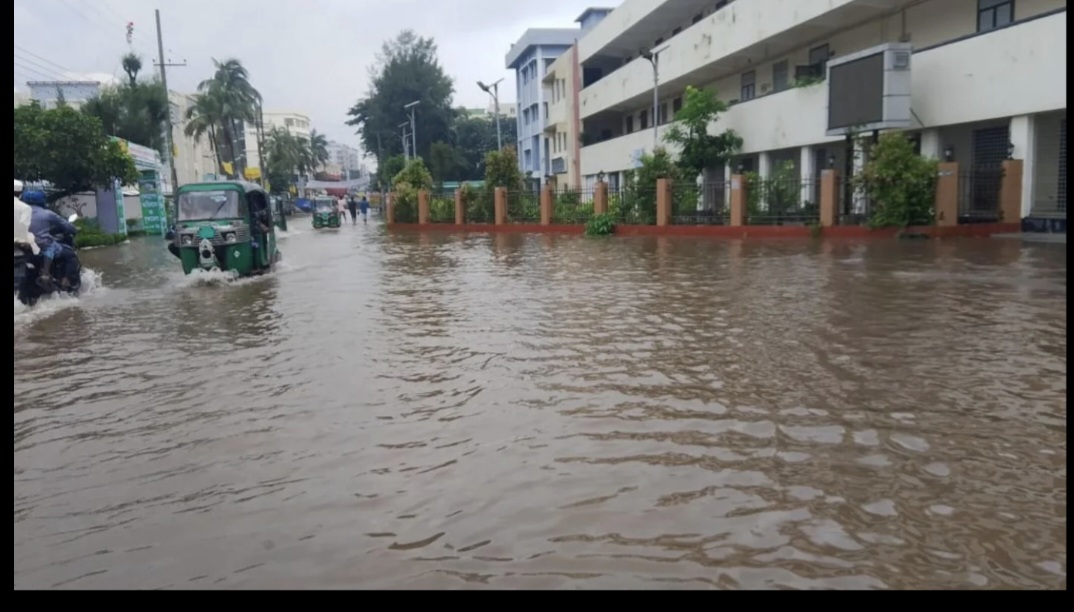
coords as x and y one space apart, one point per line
92 285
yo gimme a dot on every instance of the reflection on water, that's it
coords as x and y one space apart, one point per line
433 411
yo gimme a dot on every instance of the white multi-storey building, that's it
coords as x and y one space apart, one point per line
298 124
988 80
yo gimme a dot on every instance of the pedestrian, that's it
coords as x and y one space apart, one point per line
364 207
352 205
341 207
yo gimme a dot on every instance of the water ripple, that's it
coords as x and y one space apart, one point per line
438 411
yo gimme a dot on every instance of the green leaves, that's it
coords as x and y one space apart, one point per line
601 225
135 112
900 184
701 150
69 149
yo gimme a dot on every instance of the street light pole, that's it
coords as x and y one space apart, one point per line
494 91
406 142
654 59
413 126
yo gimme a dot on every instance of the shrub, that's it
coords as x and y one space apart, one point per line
601 225
900 184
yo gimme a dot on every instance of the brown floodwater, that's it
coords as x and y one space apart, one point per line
438 411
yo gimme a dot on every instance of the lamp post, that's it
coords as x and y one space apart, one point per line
654 59
406 141
413 126
494 91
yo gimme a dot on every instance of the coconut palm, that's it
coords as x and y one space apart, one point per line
236 102
203 119
132 65
318 150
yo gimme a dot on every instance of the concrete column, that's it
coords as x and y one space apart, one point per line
501 206
932 144
423 208
829 198
390 209
663 202
807 171
548 197
764 165
739 197
947 195
600 199
1010 192
859 165
1024 139
460 208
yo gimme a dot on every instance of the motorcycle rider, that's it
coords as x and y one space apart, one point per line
23 214
44 225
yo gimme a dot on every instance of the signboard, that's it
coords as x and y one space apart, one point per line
144 157
154 216
121 210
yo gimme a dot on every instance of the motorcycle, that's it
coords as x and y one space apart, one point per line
65 275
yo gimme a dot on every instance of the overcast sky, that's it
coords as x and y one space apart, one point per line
303 55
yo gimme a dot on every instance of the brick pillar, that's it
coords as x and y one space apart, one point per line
663 202
460 208
829 198
600 199
501 206
390 208
739 195
423 208
1010 193
947 195
548 196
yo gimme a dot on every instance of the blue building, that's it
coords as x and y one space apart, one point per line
530 58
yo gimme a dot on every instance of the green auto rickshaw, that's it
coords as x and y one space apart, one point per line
228 226
326 213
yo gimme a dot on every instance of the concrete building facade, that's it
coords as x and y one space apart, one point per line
988 80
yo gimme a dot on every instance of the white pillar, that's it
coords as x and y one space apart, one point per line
807 171
859 165
764 165
932 144
1024 139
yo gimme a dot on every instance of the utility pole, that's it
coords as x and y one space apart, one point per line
654 59
163 65
413 127
494 91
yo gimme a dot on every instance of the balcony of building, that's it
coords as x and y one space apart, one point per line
960 76
728 41
636 24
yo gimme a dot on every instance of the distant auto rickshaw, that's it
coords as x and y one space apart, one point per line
228 226
326 213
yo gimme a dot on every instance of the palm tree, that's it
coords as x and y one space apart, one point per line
318 150
203 120
132 65
236 102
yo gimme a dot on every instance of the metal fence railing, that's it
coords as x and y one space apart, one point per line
524 207
633 206
442 208
783 201
573 207
979 191
855 205
479 206
705 204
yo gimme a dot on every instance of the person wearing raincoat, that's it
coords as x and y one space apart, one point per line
23 216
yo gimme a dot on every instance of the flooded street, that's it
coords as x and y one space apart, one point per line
437 411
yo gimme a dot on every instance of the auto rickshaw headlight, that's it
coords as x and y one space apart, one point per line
230 238
188 240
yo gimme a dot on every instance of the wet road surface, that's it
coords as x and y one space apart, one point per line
435 411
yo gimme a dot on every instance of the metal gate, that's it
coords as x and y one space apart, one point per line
979 187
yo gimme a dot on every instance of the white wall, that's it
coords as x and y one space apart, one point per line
625 16
1013 71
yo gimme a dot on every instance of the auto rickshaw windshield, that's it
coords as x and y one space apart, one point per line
210 205
322 205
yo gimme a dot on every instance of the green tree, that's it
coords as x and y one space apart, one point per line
414 178
316 149
501 170
900 184
444 163
475 137
407 70
230 102
389 169
701 150
135 111
69 150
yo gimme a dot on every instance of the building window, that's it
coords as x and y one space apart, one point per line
630 124
992 14
696 19
663 114
780 76
818 58
676 106
643 119
658 41
749 86
676 31
721 4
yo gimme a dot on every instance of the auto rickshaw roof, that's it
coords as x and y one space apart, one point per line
243 186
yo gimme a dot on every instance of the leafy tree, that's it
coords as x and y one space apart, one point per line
406 185
444 163
407 70
135 111
225 102
501 170
475 137
639 197
389 169
317 150
69 150
701 150
900 184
